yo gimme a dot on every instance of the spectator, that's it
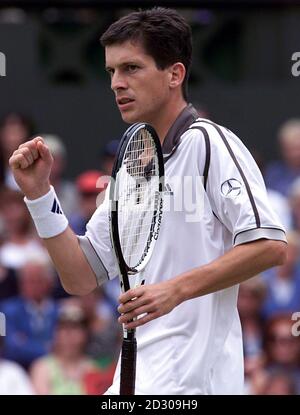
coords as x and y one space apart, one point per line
105 332
279 383
294 199
13 378
283 282
251 296
15 129
282 348
280 174
31 317
68 370
89 186
281 207
8 283
65 189
20 241
279 203
108 156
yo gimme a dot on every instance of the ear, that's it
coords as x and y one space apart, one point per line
177 73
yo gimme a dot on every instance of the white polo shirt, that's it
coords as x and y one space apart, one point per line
197 347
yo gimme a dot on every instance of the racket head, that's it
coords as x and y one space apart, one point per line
136 200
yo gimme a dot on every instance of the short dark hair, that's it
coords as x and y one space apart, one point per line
164 34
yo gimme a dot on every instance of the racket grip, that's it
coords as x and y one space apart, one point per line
128 367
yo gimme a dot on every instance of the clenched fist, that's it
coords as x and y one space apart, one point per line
31 166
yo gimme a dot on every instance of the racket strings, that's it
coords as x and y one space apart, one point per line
137 198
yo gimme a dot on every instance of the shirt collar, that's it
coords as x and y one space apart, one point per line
187 116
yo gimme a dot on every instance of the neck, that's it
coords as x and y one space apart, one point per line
168 117
68 356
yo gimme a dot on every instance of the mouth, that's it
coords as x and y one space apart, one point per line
124 103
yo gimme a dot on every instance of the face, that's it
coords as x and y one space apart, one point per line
15 216
282 345
13 134
141 89
35 284
290 147
71 338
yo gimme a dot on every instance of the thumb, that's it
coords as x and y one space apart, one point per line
44 152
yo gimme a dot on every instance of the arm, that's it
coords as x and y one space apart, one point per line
237 265
74 271
31 165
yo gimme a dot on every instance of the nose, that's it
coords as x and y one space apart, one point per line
118 81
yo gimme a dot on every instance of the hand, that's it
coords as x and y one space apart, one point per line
154 300
31 166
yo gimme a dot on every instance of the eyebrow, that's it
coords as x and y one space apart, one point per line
126 63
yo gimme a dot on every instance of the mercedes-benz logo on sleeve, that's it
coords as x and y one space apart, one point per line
231 188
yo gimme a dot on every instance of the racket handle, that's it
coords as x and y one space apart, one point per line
128 366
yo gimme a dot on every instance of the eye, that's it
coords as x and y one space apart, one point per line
110 71
132 68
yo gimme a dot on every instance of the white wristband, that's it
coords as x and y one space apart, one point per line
47 214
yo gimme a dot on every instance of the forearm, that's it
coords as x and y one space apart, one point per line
62 244
75 273
237 265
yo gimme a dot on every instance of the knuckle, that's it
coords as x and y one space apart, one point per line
23 145
151 298
26 151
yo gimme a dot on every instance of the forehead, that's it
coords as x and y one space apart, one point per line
126 52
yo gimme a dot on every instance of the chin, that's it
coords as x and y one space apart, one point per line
131 118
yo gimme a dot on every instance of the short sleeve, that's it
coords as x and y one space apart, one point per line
96 244
236 189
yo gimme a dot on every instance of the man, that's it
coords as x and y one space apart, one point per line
195 345
281 174
30 317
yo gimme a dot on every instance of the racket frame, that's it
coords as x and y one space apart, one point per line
129 346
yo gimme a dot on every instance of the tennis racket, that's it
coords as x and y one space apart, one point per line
135 216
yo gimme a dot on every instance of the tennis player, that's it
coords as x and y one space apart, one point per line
188 331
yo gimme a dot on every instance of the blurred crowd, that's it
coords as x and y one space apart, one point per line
54 343
61 344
